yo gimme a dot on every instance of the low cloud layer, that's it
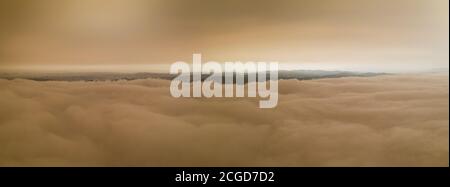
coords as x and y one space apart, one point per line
395 120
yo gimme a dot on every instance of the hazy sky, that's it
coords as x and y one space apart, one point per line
376 35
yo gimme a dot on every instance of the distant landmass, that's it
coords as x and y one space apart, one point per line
111 76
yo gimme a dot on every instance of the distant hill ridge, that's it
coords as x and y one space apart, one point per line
111 76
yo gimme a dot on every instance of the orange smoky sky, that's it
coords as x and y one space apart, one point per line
380 34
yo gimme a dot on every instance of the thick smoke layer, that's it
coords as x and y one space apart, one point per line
395 120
